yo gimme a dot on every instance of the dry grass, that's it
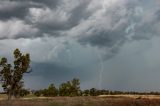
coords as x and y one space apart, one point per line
114 100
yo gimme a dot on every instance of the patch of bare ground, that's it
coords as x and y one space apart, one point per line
114 100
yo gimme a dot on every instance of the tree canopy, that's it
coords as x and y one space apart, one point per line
70 88
12 74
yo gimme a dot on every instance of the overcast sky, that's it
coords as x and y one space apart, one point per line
107 44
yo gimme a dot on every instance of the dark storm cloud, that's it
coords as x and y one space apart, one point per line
91 22
104 38
49 22
19 8
132 25
108 40
58 71
157 15
149 28
15 9
18 11
74 17
79 13
116 33
50 70
48 3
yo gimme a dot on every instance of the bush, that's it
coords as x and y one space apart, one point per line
37 93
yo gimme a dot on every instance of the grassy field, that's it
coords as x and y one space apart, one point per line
118 100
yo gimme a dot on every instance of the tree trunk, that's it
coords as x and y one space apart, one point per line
9 95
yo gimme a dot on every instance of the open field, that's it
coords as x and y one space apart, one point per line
109 100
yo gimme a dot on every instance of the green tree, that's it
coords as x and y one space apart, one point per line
51 91
75 87
64 89
86 92
38 93
12 77
93 92
23 92
70 88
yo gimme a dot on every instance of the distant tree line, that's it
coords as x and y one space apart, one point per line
96 92
69 88
72 88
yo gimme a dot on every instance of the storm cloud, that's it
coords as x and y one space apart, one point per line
61 35
106 24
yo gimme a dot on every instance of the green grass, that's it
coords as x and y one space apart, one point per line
30 96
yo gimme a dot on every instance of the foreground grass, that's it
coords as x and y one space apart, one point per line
83 101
